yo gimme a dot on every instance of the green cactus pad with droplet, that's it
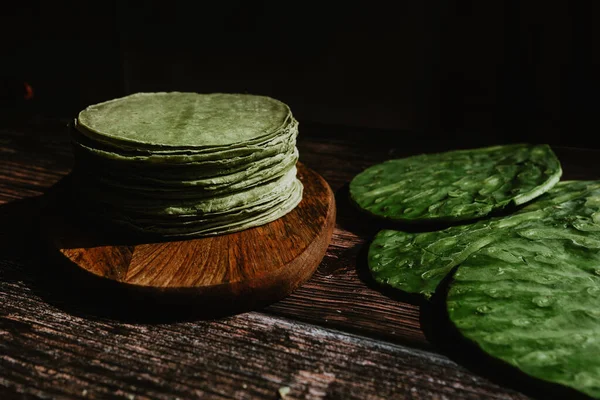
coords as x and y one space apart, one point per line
532 297
457 185
526 288
418 262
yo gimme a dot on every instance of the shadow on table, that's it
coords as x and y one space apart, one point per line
77 232
16 234
29 259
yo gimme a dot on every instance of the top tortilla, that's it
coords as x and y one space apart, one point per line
184 120
87 148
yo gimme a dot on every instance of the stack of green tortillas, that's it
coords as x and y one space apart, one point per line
187 164
525 287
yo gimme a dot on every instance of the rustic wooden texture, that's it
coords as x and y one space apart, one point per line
243 269
54 344
53 353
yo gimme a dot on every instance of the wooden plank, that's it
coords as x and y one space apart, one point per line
47 352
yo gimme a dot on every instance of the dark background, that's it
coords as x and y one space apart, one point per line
501 70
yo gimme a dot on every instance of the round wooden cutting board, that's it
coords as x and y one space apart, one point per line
237 271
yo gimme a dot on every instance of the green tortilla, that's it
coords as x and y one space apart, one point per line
184 120
201 206
100 152
260 206
457 185
240 220
186 164
181 174
158 187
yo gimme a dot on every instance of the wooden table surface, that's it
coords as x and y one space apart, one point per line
337 337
